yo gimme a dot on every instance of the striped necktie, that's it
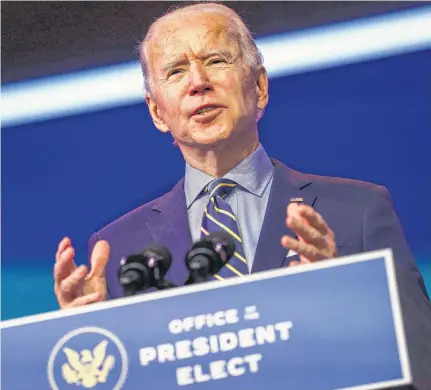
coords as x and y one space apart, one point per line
218 215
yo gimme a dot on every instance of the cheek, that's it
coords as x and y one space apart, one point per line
234 95
170 107
241 92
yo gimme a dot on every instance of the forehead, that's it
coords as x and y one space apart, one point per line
189 34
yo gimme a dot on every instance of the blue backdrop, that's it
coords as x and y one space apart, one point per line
367 121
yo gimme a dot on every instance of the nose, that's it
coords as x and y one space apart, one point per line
199 82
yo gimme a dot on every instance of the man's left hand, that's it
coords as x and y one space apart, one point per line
316 241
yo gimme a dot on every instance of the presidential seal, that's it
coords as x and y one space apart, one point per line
88 358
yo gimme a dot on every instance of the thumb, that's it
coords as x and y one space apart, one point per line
99 258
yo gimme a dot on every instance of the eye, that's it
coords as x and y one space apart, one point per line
174 72
217 61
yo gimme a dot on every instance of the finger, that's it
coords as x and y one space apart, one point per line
307 250
294 263
85 300
70 286
306 232
99 258
314 219
293 210
289 243
64 243
65 265
304 260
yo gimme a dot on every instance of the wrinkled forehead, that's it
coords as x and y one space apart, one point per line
191 34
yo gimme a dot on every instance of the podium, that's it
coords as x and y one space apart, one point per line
346 323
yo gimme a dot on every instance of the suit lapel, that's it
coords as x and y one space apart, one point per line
169 224
287 184
170 227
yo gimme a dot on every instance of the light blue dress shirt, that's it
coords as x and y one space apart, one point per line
248 200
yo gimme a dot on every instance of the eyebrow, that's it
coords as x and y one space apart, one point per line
175 61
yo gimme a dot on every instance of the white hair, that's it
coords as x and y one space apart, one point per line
236 27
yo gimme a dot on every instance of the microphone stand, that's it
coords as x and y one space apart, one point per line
199 270
165 284
129 285
134 278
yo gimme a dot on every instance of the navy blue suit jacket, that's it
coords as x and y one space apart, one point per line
360 214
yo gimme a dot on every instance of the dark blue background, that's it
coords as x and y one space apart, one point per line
367 121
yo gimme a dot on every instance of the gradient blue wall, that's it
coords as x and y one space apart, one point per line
367 121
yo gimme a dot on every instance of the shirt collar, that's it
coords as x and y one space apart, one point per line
253 174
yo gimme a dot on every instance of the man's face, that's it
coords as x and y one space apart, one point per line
204 92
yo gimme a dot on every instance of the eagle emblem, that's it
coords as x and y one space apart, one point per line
87 368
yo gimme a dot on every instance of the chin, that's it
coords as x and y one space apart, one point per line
212 135
209 141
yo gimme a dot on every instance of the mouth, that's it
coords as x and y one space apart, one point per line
205 110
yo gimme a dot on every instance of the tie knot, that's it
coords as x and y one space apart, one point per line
220 187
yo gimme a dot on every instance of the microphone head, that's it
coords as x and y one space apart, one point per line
211 253
157 255
217 248
146 269
222 243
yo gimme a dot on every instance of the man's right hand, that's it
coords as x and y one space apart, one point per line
75 286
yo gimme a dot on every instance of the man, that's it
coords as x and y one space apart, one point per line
206 85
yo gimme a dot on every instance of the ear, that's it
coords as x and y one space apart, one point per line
155 114
262 88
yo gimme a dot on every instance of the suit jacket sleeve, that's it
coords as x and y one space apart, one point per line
382 229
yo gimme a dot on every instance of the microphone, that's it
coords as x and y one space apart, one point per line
145 270
208 255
